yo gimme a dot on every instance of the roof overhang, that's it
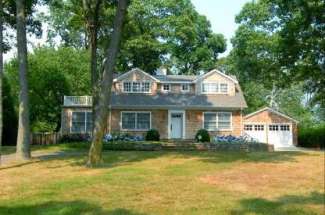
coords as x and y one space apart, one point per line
215 71
134 70
273 111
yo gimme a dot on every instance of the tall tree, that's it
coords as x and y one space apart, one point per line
23 139
91 9
1 73
95 152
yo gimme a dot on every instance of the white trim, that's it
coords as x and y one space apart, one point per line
272 110
134 70
85 122
166 91
217 120
141 82
136 112
186 91
184 122
216 71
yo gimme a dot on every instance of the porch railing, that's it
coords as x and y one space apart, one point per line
77 100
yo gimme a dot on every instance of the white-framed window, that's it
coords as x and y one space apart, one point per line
81 122
224 88
135 120
166 87
127 86
136 87
284 127
224 121
210 88
185 88
273 127
213 121
259 127
248 127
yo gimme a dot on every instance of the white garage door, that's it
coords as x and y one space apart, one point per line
280 135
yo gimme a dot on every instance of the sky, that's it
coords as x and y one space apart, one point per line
220 13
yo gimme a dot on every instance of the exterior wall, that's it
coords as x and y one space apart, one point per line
159 121
176 88
135 76
194 122
66 116
267 117
215 77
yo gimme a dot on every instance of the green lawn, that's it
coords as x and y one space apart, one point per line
167 183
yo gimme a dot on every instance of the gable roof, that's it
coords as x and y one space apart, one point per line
271 110
176 78
135 70
219 72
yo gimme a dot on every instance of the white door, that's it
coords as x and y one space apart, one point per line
256 131
176 125
280 135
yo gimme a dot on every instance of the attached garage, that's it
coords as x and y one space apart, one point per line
272 127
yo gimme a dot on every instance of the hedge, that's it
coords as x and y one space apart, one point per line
312 137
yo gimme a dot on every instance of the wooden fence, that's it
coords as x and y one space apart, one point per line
46 138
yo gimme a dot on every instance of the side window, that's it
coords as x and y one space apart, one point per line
185 88
166 87
224 88
82 122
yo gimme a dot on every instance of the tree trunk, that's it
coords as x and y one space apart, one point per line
1 74
100 124
23 139
92 25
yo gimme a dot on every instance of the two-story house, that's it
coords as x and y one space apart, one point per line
178 106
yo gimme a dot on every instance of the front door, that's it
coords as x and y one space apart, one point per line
176 125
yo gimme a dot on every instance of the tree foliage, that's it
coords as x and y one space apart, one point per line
52 74
169 33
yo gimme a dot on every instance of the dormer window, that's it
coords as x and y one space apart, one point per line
224 88
136 87
210 88
166 87
185 88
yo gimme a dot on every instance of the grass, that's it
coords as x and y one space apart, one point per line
140 183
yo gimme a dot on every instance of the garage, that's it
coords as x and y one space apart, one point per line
273 127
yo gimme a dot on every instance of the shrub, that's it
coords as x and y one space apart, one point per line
202 135
69 138
152 135
313 137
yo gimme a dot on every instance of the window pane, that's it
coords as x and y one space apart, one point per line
145 87
89 126
136 86
224 120
185 87
210 87
166 87
127 86
78 122
210 121
224 88
143 121
128 120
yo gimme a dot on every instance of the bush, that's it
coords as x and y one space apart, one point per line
69 138
313 137
202 135
152 135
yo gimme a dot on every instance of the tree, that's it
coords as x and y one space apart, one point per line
169 33
1 74
53 73
23 139
95 152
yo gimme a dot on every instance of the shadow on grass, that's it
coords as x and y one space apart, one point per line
64 208
282 205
